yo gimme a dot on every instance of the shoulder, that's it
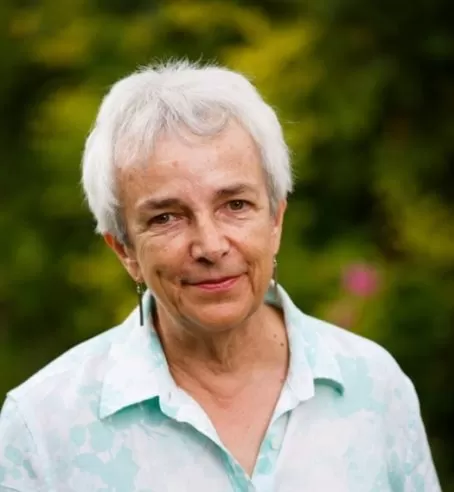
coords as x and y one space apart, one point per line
374 384
48 403
371 378
352 356
362 362
79 370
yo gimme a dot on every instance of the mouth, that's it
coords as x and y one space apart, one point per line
218 284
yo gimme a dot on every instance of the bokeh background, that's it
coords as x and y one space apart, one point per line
365 91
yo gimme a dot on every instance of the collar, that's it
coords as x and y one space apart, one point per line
312 351
137 369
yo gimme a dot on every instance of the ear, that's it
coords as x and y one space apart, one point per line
127 256
278 220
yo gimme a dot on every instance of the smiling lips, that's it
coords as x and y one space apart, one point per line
217 285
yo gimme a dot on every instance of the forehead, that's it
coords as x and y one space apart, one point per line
195 166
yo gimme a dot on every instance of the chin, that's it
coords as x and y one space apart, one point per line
219 318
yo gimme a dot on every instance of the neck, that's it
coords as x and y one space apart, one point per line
258 346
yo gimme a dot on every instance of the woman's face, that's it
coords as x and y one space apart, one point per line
202 234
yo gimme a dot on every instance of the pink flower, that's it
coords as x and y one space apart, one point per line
361 280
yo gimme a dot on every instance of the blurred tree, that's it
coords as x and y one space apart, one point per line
366 95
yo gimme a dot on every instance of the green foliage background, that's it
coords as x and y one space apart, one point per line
365 91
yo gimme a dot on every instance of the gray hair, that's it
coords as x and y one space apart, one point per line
158 98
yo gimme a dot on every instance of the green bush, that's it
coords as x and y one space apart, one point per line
365 91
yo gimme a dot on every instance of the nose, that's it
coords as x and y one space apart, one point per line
209 243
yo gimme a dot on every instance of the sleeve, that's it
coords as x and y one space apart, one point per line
19 461
411 468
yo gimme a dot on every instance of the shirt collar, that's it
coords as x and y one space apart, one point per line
312 351
137 369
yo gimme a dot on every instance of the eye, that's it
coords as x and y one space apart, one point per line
237 205
161 219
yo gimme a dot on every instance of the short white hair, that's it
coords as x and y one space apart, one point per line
153 99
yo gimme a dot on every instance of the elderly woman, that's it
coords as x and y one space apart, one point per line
216 381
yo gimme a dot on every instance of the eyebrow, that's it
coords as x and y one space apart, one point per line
171 202
235 189
159 204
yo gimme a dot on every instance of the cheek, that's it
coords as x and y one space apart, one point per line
160 256
257 243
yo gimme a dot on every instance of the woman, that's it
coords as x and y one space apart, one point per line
216 381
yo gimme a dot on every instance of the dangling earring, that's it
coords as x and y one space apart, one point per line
139 290
275 285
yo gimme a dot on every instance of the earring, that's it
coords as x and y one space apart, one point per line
139 290
275 284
